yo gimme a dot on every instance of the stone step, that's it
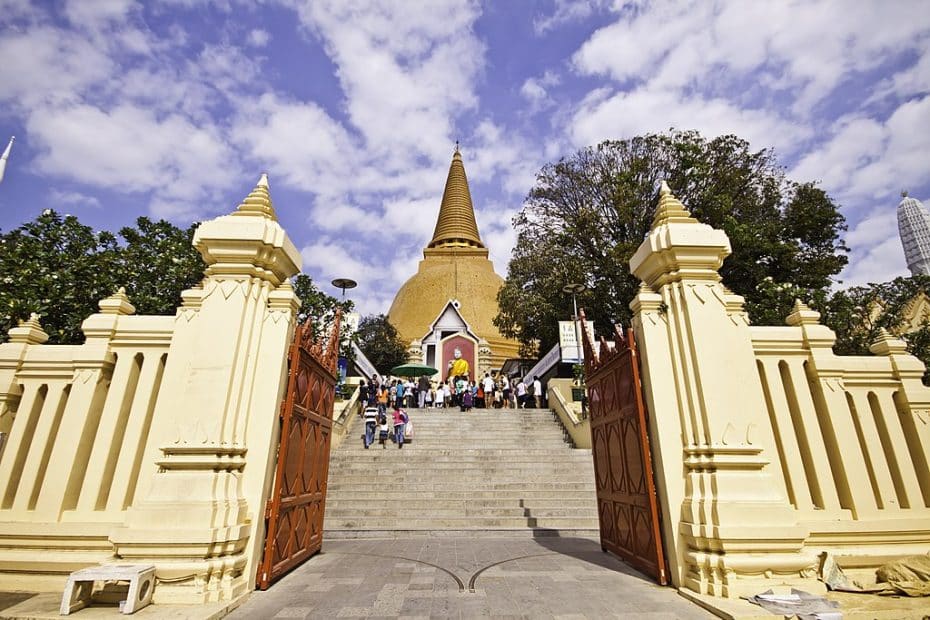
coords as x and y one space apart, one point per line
462 456
473 481
446 513
390 465
461 503
515 495
499 532
457 486
460 523
513 473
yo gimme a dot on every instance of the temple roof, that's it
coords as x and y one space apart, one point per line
456 225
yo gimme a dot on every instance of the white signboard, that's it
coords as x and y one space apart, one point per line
572 350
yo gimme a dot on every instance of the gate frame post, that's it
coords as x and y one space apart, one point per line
199 518
729 528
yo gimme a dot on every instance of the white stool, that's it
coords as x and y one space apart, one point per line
80 584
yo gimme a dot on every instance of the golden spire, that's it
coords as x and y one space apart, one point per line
258 202
456 226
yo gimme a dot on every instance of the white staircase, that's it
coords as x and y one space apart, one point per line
494 472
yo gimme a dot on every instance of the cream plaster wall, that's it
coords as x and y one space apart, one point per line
155 441
768 448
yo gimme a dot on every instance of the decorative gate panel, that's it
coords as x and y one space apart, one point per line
626 498
294 514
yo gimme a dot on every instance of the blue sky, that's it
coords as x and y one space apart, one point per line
173 108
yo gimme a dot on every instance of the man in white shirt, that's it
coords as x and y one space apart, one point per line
521 394
537 392
488 385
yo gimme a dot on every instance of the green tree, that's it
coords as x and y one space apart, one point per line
588 213
317 305
157 262
379 341
59 268
858 314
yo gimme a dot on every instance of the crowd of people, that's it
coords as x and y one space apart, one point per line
382 397
498 392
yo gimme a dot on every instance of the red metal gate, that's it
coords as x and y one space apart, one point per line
294 514
626 498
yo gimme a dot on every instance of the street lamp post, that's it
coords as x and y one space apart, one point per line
574 290
344 283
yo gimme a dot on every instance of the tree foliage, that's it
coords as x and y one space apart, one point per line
588 213
59 268
321 308
858 314
56 267
379 341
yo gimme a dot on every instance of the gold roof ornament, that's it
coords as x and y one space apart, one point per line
456 225
670 209
258 202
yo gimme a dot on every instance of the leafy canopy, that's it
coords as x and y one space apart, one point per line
588 213
317 305
59 268
378 340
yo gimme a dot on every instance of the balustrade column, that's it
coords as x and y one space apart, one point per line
736 528
196 515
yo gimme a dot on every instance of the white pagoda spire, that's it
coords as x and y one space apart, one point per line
5 157
914 228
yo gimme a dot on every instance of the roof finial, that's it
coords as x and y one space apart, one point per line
258 202
670 208
456 146
903 193
5 157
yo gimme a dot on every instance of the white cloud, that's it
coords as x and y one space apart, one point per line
811 47
880 263
866 158
130 149
566 11
299 142
66 198
258 37
628 114
879 225
98 12
45 65
405 74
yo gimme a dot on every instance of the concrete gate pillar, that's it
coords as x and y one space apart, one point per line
215 425
729 529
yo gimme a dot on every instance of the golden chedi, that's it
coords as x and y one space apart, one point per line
451 301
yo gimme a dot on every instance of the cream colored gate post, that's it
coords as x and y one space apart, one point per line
200 519
729 529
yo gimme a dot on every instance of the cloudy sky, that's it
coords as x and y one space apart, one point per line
172 108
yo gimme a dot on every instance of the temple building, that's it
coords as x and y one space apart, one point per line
914 228
447 307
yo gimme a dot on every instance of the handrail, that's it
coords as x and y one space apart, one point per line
364 364
344 420
546 362
579 429
563 404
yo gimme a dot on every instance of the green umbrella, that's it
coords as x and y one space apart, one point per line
413 370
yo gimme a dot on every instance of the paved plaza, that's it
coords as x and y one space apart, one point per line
546 577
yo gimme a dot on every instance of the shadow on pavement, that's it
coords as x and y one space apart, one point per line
8 599
587 550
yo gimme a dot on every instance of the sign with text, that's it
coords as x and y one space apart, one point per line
569 331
